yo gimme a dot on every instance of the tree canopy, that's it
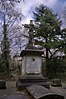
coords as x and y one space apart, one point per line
49 32
5 48
49 36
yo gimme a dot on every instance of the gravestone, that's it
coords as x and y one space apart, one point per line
56 82
40 92
31 72
31 62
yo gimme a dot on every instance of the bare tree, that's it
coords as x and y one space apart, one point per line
13 19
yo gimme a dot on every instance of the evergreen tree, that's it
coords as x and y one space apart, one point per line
48 34
5 56
48 31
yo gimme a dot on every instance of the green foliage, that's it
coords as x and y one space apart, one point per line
55 68
2 69
5 57
49 28
49 35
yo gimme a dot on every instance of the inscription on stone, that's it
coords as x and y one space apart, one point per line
33 65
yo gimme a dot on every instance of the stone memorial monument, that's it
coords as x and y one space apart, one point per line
31 72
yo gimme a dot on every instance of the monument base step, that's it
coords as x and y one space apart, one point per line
24 82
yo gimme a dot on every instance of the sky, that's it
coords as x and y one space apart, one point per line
29 6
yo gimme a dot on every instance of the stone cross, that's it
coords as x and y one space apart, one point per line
31 34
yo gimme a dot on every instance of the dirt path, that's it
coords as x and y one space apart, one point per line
10 90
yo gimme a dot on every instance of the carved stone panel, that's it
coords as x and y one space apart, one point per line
33 65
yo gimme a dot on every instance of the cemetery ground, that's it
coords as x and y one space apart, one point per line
11 90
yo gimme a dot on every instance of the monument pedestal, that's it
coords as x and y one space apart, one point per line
31 69
24 82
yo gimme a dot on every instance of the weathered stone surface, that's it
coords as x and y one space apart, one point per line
31 70
33 65
2 84
31 62
31 80
40 92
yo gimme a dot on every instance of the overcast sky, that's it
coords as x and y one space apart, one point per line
29 6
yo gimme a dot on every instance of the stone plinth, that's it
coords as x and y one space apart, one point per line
40 92
26 81
31 69
31 62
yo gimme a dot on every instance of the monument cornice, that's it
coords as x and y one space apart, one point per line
31 52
